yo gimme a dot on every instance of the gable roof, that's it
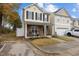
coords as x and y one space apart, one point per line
62 12
35 4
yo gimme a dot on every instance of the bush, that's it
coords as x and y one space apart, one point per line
5 30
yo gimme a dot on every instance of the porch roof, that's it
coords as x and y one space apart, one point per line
37 23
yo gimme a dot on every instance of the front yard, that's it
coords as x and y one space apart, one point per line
51 41
39 42
9 37
44 41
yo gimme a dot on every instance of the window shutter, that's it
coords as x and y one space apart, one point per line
26 14
47 17
43 17
36 16
40 16
32 15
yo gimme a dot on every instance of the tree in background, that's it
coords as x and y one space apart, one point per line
14 20
8 12
6 9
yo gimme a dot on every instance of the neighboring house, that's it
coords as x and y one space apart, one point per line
76 22
38 22
60 22
6 24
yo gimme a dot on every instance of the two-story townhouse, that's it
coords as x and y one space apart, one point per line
60 22
36 21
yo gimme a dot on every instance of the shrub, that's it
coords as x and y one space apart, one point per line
5 30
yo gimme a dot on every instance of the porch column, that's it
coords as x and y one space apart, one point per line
25 30
45 30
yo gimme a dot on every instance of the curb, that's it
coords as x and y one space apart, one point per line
2 47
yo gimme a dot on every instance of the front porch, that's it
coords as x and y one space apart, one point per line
35 30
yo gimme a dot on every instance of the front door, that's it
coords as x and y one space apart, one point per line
34 30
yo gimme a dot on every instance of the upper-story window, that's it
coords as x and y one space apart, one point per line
38 16
28 15
45 17
67 21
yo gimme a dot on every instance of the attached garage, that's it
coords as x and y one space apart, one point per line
61 31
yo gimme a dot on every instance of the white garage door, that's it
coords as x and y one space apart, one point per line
60 32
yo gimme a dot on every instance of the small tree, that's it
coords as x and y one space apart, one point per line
14 20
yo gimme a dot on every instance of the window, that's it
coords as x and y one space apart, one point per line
40 16
45 17
29 15
76 30
34 30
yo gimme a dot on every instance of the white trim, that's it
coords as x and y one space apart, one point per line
40 21
25 30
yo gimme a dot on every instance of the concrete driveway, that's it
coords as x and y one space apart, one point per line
17 49
64 48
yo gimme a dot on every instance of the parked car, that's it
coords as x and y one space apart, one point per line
73 32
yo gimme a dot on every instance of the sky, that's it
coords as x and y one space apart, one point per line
72 8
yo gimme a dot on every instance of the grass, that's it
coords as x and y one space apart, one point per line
9 37
44 41
65 38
